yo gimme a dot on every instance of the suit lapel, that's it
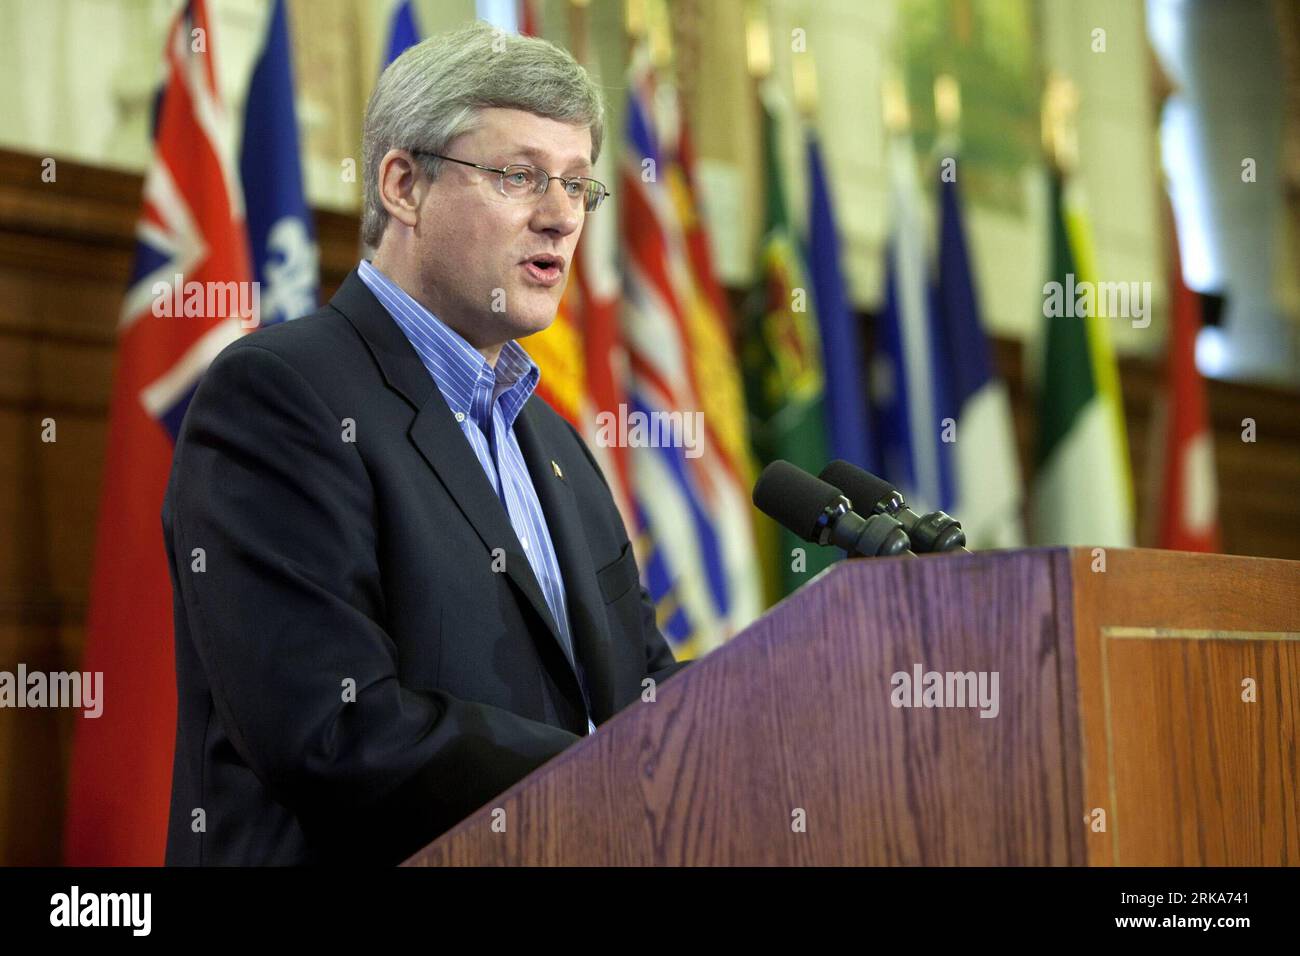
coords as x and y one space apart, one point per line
438 437
587 617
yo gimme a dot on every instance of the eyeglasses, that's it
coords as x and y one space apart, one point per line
520 183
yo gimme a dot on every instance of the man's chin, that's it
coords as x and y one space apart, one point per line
535 310
538 318
531 325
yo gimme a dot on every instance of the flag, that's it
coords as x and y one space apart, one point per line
693 510
783 367
700 254
1083 492
718 381
1188 499
912 400
281 235
191 226
402 31
988 492
558 352
847 402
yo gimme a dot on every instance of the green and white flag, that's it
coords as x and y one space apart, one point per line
1083 488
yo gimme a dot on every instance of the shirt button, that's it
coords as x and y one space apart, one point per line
460 416
524 542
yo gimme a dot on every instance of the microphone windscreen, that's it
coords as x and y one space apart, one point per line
862 488
794 498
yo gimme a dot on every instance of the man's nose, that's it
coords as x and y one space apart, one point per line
556 211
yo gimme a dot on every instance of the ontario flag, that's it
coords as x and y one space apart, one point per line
191 294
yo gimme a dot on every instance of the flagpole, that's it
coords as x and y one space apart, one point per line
947 111
1060 136
758 51
659 33
758 61
634 19
898 117
804 70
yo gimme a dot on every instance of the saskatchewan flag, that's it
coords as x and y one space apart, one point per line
1083 492
781 357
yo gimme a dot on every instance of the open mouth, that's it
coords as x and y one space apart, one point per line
544 269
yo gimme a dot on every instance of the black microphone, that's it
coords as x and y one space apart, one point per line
819 512
934 531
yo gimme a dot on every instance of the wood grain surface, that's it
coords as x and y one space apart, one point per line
1188 772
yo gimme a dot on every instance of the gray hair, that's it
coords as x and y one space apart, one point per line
434 91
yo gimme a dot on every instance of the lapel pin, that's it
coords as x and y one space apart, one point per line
556 468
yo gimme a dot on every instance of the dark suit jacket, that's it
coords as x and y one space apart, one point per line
328 565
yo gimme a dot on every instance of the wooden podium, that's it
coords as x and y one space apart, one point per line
1148 710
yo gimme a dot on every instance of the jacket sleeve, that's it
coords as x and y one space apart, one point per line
285 618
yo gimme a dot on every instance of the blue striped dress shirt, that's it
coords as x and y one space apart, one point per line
486 402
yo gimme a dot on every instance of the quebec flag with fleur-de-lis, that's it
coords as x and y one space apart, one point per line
281 236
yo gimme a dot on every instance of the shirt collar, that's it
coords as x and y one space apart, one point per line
464 377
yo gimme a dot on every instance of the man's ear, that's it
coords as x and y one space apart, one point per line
401 186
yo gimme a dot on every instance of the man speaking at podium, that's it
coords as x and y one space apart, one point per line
400 580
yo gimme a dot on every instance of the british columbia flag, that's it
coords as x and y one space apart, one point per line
693 514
